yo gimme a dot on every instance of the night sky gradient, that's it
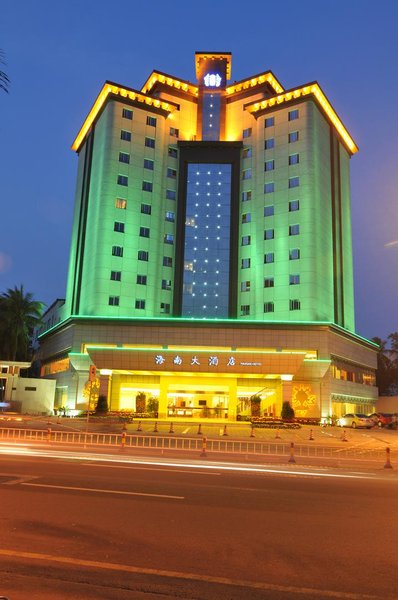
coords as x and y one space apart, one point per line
59 53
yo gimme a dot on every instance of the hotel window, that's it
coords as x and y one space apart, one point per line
269 210
117 251
116 275
149 142
269 282
172 152
269 165
120 203
270 122
294 229
268 144
122 180
113 301
294 254
166 284
247 132
245 286
245 309
165 308
247 152
268 258
269 234
140 304
294 279
294 182
174 132
247 174
170 194
170 216
146 209
246 239
246 196
148 164
293 137
167 261
245 264
294 305
119 227
143 255
141 279
171 173
269 187
144 232
246 218
127 114
294 159
168 238
124 157
294 205
293 115
151 121
125 135
268 307
147 186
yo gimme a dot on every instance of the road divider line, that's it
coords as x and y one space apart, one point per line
102 491
269 587
144 468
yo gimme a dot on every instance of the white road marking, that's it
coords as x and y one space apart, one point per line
101 491
144 468
186 430
269 587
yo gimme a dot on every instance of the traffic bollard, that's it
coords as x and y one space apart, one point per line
204 446
252 432
292 459
277 436
199 432
344 437
388 464
311 435
123 440
171 430
225 430
139 428
48 434
155 429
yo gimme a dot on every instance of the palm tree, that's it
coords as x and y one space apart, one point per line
19 314
4 80
384 374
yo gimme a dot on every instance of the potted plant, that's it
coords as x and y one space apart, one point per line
255 403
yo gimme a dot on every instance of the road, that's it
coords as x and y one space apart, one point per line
83 527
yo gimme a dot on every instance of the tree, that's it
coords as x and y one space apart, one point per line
385 368
4 80
287 411
19 315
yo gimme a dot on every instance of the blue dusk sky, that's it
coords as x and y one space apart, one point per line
59 53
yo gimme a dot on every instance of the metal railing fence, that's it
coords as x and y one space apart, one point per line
198 444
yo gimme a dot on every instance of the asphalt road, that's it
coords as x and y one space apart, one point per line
93 528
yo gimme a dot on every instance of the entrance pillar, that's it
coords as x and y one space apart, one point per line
232 400
287 388
163 387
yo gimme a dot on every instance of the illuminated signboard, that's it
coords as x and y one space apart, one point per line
212 80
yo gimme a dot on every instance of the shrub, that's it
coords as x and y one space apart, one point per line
287 411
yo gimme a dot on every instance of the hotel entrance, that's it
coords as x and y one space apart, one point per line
209 402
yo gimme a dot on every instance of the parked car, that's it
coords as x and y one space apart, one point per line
355 420
381 419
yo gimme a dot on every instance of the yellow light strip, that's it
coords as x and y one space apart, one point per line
107 89
170 81
316 91
253 82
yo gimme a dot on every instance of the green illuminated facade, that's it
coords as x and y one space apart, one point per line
212 201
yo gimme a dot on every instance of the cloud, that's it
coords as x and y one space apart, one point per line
389 244
5 262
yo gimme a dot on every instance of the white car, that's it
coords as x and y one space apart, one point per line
355 420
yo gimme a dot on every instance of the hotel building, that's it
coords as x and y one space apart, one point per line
211 256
